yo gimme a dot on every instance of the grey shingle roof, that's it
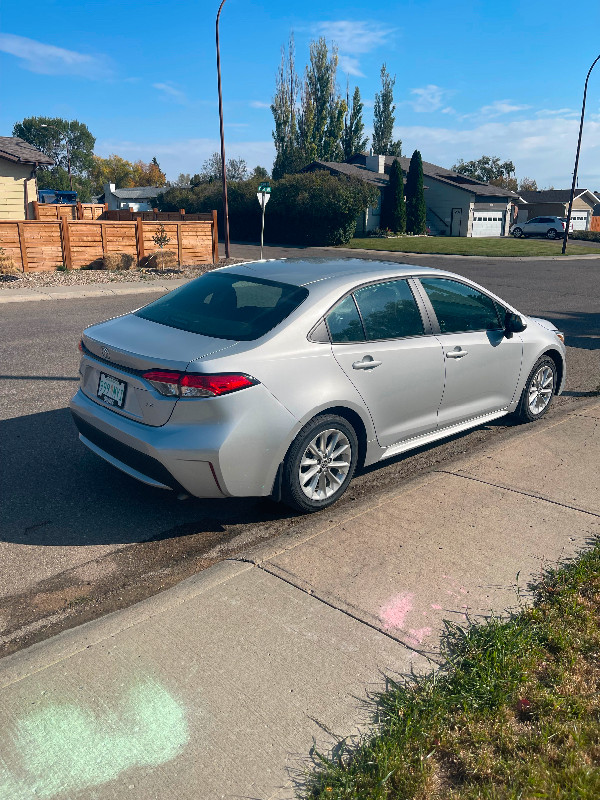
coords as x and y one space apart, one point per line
551 195
447 176
353 170
15 149
139 192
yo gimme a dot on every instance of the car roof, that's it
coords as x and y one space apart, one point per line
335 272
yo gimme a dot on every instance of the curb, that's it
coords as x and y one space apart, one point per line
89 290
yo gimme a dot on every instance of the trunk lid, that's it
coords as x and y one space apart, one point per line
122 349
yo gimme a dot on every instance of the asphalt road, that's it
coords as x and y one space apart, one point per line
78 538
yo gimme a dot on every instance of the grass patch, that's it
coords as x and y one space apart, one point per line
464 246
514 713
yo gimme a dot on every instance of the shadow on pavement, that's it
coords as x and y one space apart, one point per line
581 329
56 493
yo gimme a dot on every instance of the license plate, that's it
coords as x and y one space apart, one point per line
111 390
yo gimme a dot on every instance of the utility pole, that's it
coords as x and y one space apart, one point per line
574 184
223 169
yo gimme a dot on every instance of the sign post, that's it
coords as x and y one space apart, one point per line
263 195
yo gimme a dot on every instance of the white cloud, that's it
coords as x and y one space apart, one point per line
500 107
429 98
171 92
47 59
354 38
544 149
188 155
259 104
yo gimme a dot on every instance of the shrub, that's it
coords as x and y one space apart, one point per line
7 265
117 261
588 236
310 208
161 259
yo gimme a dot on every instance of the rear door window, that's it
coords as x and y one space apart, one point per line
344 322
389 311
461 308
226 306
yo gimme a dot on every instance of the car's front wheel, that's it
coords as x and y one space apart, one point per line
552 233
517 233
538 391
320 463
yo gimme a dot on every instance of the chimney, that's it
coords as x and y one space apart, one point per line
375 163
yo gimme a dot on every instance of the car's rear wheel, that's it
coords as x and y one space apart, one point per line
552 233
517 233
538 391
320 463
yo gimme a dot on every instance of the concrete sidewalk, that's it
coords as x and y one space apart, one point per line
58 292
219 687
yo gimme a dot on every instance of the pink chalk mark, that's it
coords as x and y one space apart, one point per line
393 615
418 634
464 591
436 606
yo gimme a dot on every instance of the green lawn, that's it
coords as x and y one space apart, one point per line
463 246
514 713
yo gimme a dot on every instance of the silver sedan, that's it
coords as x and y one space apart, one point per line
281 378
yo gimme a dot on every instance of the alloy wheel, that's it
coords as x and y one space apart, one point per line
325 464
540 390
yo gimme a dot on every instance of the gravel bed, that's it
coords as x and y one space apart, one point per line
81 277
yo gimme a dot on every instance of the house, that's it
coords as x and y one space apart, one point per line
456 205
140 198
18 186
555 203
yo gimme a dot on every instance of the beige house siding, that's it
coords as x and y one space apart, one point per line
14 179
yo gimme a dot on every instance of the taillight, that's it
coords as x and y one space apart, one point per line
80 345
184 384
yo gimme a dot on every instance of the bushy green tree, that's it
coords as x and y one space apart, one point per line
393 207
353 138
489 169
416 210
384 119
284 110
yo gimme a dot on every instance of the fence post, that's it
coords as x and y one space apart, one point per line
155 212
65 240
102 239
139 239
23 246
36 209
79 210
182 213
215 238
179 244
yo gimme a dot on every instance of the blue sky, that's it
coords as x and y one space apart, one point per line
472 78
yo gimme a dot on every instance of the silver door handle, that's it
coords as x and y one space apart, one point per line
457 353
366 363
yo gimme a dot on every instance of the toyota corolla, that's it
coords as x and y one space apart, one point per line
280 378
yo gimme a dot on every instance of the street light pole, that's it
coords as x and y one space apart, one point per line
573 185
223 169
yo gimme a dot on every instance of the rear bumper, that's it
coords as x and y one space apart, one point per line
235 456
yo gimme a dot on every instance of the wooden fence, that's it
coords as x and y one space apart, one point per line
595 223
36 246
48 211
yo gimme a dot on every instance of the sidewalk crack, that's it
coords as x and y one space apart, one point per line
518 491
344 611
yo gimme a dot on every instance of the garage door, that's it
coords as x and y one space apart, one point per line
579 220
487 223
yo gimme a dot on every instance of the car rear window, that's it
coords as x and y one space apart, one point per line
226 306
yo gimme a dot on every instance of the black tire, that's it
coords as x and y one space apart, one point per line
517 233
524 411
552 233
292 493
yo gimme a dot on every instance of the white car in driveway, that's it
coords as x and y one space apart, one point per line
548 227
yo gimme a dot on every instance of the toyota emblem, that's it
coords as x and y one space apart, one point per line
105 352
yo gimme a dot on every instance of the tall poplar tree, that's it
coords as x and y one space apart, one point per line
353 138
416 210
393 208
284 109
384 119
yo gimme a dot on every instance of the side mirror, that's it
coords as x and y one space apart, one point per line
513 323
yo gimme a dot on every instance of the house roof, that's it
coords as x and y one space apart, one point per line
352 170
15 149
555 195
139 192
446 176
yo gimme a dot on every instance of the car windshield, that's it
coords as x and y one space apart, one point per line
226 306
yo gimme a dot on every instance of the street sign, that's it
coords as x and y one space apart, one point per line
263 195
264 187
263 198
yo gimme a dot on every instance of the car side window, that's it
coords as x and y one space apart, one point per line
389 311
344 322
461 308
